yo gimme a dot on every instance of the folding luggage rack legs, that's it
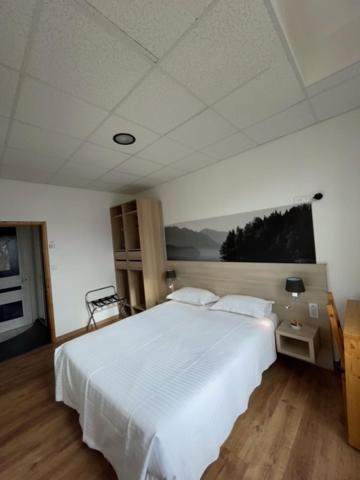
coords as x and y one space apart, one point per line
99 302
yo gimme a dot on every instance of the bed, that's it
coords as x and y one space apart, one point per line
158 393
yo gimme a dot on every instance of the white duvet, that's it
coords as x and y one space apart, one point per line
159 392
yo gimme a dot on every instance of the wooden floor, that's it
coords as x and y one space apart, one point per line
292 430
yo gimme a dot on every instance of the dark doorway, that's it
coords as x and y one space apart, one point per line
24 312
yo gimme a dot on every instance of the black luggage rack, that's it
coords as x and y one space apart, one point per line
98 303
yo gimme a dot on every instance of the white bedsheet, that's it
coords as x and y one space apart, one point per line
158 393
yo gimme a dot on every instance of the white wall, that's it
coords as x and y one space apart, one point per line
325 158
78 222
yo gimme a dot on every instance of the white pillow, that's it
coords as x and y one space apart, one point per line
253 306
274 318
195 296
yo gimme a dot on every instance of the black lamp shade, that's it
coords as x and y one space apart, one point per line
294 285
170 274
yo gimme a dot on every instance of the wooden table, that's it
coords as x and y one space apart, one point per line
352 370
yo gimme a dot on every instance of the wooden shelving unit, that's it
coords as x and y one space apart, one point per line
139 252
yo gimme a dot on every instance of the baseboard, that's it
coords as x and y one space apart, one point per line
81 331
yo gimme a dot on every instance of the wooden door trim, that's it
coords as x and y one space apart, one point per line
46 267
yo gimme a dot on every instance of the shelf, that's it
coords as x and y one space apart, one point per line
132 236
120 255
129 207
136 287
115 211
132 212
121 264
293 346
122 284
128 265
118 233
134 265
133 255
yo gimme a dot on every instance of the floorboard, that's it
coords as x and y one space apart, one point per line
292 430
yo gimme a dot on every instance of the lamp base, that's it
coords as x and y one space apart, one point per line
296 325
170 285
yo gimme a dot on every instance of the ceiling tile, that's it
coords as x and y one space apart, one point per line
134 189
145 183
103 186
138 166
24 174
230 146
46 107
91 154
155 24
333 80
202 130
114 124
295 118
193 162
100 68
230 45
82 171
159 103
8 83
166 174
69 180
323 35
165 151
118 178
269 93
337 100
38 140
23 158
15 21
4 123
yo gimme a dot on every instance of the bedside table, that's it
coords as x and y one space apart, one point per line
303 344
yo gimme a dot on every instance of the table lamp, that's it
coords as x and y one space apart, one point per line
295 286
170 277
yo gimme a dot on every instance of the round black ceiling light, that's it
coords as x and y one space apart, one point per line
124 138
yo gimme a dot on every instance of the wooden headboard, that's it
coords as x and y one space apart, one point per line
265 280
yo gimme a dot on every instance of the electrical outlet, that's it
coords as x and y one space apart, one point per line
313 310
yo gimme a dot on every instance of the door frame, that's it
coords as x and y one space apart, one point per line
46 266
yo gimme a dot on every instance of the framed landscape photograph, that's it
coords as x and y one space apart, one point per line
276 235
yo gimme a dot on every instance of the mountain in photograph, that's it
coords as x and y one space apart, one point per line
218 236
184 237
186 244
